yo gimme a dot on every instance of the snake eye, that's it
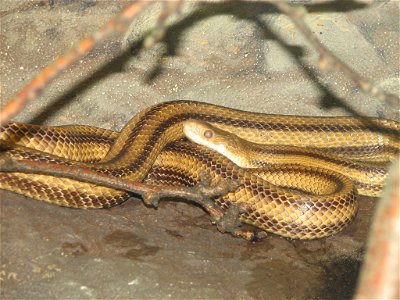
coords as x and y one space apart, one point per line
208 134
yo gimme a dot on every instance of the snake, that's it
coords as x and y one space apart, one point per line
293 201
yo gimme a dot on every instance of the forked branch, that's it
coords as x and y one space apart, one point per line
151 194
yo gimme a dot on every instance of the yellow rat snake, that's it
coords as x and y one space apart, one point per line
296 201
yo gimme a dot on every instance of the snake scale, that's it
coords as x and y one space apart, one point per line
151 148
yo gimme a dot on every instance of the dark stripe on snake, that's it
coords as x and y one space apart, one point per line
338 161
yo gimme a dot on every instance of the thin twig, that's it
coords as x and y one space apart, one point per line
327 60
33 88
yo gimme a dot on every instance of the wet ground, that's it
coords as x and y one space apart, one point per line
242 56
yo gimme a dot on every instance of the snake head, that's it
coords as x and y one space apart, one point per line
203 133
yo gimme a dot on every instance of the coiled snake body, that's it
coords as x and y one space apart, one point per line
150 148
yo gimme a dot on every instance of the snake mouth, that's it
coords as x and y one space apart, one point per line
192 131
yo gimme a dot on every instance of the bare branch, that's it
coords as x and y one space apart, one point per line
151 194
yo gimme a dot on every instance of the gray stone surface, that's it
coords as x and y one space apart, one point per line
240 55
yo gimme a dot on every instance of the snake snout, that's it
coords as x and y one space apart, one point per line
192 131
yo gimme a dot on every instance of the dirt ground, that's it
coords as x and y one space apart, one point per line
239 55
